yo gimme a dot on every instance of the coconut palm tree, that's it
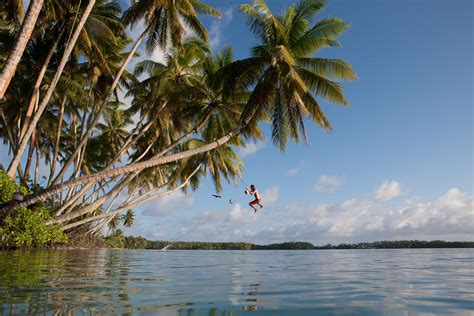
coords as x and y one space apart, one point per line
283 76
114 222
286 57
128 219
67 52
162 19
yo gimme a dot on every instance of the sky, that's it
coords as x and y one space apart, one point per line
398 163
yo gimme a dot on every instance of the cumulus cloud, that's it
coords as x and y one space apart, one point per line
169 203
251 149
388 190
449 217
270 195
216 35
238 214
364 218
328 184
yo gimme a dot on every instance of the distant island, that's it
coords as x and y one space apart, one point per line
118 240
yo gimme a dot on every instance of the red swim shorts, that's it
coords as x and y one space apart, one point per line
256 201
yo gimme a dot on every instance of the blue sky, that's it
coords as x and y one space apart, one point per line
398 164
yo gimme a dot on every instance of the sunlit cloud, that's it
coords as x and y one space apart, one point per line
388 190
328 184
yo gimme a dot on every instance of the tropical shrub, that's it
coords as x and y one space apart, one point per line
26 227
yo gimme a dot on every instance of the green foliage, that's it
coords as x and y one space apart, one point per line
292 245
26 227
8 188
132 242
115 240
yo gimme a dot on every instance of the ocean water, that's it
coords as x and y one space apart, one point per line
319 282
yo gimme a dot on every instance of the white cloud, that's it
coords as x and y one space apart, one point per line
388 190
448 217
169 203
364 218
328 184
251 148
238 214
270 195
216 35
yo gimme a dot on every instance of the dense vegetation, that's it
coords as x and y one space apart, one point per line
26 227
84 131
118 240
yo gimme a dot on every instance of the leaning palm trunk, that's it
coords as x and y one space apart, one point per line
102 107
126 180
13 59
39 80
128 206
86 188
49 93
100 225
259 98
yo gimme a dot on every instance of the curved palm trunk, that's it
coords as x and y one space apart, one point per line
134 167
39 80
259 97
127 180
128 206
93 124
49 93
124 148
93 206
13 59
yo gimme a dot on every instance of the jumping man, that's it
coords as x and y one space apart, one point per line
254 192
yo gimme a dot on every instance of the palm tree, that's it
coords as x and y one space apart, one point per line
162 20
114 222
67 52
128 218
286 58
285 80
23 37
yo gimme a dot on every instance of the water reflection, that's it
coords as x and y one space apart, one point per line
236 282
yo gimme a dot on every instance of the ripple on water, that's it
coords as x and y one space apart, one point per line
212 282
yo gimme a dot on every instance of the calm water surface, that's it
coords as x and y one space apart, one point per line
148 282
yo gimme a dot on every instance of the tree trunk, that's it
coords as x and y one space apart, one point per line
91 207
128 206
84 190
39 80
102 106
38 160
30 156
56 144
11 139
179 141
49 93
14 57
